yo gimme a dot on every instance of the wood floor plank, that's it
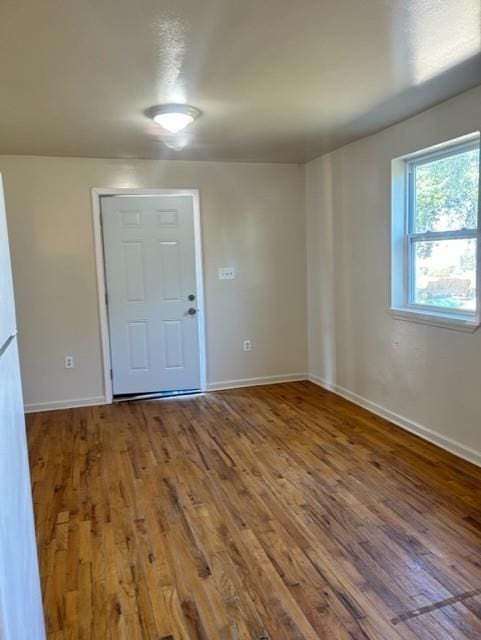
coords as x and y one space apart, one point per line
273 513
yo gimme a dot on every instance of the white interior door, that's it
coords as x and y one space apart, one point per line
150 264
21 614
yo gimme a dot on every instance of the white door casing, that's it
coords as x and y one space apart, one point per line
150 271
7 304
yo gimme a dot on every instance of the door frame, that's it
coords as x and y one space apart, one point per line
96 194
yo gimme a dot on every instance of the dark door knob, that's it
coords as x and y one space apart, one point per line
191 297
192 311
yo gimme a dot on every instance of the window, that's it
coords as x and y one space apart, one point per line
435 267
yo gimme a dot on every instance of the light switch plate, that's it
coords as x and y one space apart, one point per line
226 273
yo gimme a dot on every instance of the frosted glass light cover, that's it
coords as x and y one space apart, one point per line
173 122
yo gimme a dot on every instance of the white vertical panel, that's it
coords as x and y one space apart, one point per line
134 272
131 220
174 353
171 271
138 346
168 218
21 615
7 306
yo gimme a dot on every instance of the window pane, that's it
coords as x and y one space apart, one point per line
445 274
446 193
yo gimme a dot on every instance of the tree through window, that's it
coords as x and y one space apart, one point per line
442 238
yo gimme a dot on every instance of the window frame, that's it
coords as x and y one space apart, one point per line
403 219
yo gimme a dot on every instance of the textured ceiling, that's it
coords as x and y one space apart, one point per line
276 80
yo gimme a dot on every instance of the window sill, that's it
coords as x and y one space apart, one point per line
443 320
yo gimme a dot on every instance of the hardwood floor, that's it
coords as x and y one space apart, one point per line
279 512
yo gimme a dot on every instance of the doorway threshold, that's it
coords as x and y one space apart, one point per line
157 395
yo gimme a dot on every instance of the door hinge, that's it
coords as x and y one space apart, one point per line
106 299
111 374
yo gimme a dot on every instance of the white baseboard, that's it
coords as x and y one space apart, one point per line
211 386
255 382
458 449
64 404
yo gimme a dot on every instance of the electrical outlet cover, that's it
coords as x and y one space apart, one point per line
227 273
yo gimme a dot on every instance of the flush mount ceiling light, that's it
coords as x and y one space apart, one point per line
174 117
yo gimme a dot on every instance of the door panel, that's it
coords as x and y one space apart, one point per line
134 271
170 274
150 273
138 346
173 344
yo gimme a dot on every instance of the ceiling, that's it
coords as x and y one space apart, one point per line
276 80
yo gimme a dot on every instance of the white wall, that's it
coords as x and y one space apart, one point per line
252 218
428 377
